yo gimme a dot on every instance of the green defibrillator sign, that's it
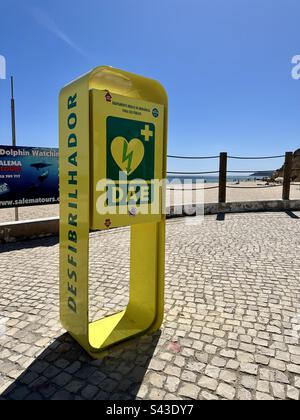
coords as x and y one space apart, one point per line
113 149
126 183
130 148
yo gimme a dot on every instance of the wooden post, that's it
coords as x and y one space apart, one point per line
287 176
223 177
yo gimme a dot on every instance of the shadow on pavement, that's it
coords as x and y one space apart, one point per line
31 243
65 372
291 214
221 217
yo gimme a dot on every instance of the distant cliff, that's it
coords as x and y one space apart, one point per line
295 168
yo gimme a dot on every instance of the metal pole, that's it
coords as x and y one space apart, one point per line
13 113
13 129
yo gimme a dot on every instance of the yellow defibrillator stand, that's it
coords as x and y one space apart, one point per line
113 148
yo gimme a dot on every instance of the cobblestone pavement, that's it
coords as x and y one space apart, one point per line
231 328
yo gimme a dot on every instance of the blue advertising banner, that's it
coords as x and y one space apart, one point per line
28 176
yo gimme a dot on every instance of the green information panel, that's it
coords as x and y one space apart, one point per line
127 185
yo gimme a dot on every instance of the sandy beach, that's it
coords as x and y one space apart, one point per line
246 191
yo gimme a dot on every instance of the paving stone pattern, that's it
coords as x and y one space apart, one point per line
232 316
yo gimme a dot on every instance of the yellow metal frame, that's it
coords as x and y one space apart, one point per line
144 313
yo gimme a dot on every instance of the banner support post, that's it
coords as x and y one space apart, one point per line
13 129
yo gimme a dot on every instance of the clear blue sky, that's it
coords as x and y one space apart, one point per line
226 65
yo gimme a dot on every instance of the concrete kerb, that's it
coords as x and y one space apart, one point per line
28 229
38 228
235 207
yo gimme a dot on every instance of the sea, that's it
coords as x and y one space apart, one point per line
210 179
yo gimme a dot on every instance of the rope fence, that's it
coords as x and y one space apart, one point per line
229 157
256 157
228 186
247 172
193 173
224 171
193 157
193 189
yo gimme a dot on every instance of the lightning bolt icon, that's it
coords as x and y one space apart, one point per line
127 157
